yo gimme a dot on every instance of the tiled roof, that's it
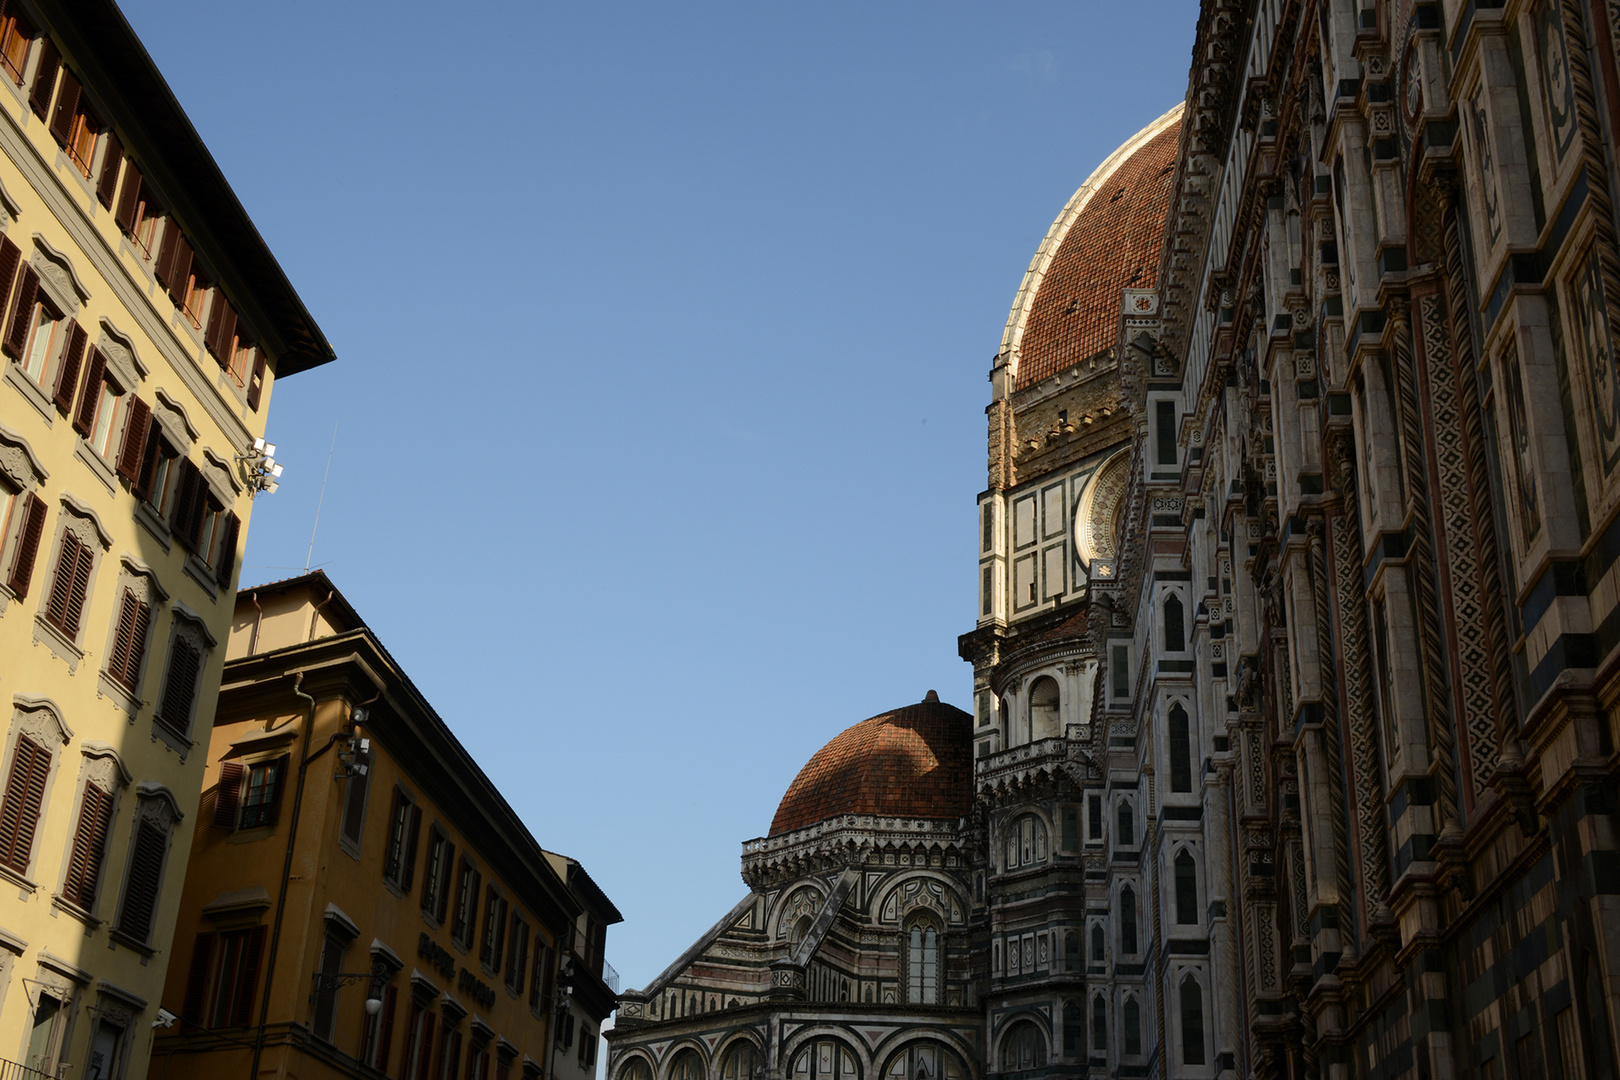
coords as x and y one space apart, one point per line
914 762
1114 244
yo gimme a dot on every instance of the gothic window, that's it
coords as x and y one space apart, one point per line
922 963
1192 1022
924 1061
1127 921
635 1069
1099 1023
1097 948
1094 816
1026 842
740 1061
823 1059
1044 704
1126 836
1180 750
1186 889
1023 1047
1165 435
1074 1030
1175 632
1133 1026
686 1066
1071 951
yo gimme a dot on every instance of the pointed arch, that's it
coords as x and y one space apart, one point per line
1192 1021
1186 872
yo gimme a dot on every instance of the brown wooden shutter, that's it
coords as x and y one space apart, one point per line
61 595
228 796
164 266
413 833
10 258
227 551
221 328
129 202
33 527
256 384
202 955
50 61
179 267
110 162
135 429
90 397
425 1057
89 841
184 664
273 813
386 1035
19 811
447 878
67 376
22 313
187 519
118 664
248 981
67 108
149 462
145 875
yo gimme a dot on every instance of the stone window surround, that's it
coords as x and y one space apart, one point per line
101 763
189 624
155 804
41 718
20 469
83 522
137 576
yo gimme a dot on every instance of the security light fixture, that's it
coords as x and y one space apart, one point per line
260 469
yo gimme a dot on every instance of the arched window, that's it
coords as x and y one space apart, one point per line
1186 889
1074 1030
1097 948
686 1066
825 1059
740 1061
1126 834
1180 750
922 963
1099 1023
1133 1026
1175 633
1023 1047
1071 951
1026 842
1127 921
924 1061
635 1069
1192 1022
1044 709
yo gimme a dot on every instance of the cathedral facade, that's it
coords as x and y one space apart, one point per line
1292 746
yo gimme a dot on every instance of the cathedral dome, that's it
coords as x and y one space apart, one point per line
913 762
1107 239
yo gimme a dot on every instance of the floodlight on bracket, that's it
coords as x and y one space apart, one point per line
260 469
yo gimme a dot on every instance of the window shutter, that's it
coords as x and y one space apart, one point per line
446 879
90 396
19 811
129 202
228 795
256 384
78 591
22 313
386 1035
182 685
248 981
221 328
354 807
280 765
67 561
202 953
227 551
134 448
137 646
396 839
140 893
179 268
67 378
168 253
67 107
149 461
109 171
39 99
425 1056
10 257
89 841
118 663
187 518
413 832
33 527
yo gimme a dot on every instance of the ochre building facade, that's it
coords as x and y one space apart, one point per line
143 324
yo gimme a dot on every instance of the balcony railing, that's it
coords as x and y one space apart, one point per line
11 1070
609 976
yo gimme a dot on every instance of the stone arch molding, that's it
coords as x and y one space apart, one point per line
674 1052
844 1037
1097 517
899 1042
933 893
632 1058
41 717
804 900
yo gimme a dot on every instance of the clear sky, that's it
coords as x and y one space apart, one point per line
662 338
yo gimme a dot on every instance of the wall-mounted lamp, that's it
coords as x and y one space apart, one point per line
260 469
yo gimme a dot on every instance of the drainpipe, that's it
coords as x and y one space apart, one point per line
314 616
258 620
286 868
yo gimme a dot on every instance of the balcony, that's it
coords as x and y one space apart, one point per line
11 1070
610 975
1020 762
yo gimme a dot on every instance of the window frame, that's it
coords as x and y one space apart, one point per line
11 30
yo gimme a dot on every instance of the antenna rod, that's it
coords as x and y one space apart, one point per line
322 499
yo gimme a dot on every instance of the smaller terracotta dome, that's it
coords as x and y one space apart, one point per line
914 762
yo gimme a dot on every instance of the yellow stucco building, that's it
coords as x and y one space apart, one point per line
143 323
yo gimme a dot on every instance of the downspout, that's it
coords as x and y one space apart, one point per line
315 615
258 621
286 869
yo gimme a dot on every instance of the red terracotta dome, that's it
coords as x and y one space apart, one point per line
1107 239
914 762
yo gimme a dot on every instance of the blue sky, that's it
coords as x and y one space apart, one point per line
662 339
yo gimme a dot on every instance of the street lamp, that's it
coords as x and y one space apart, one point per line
329 981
